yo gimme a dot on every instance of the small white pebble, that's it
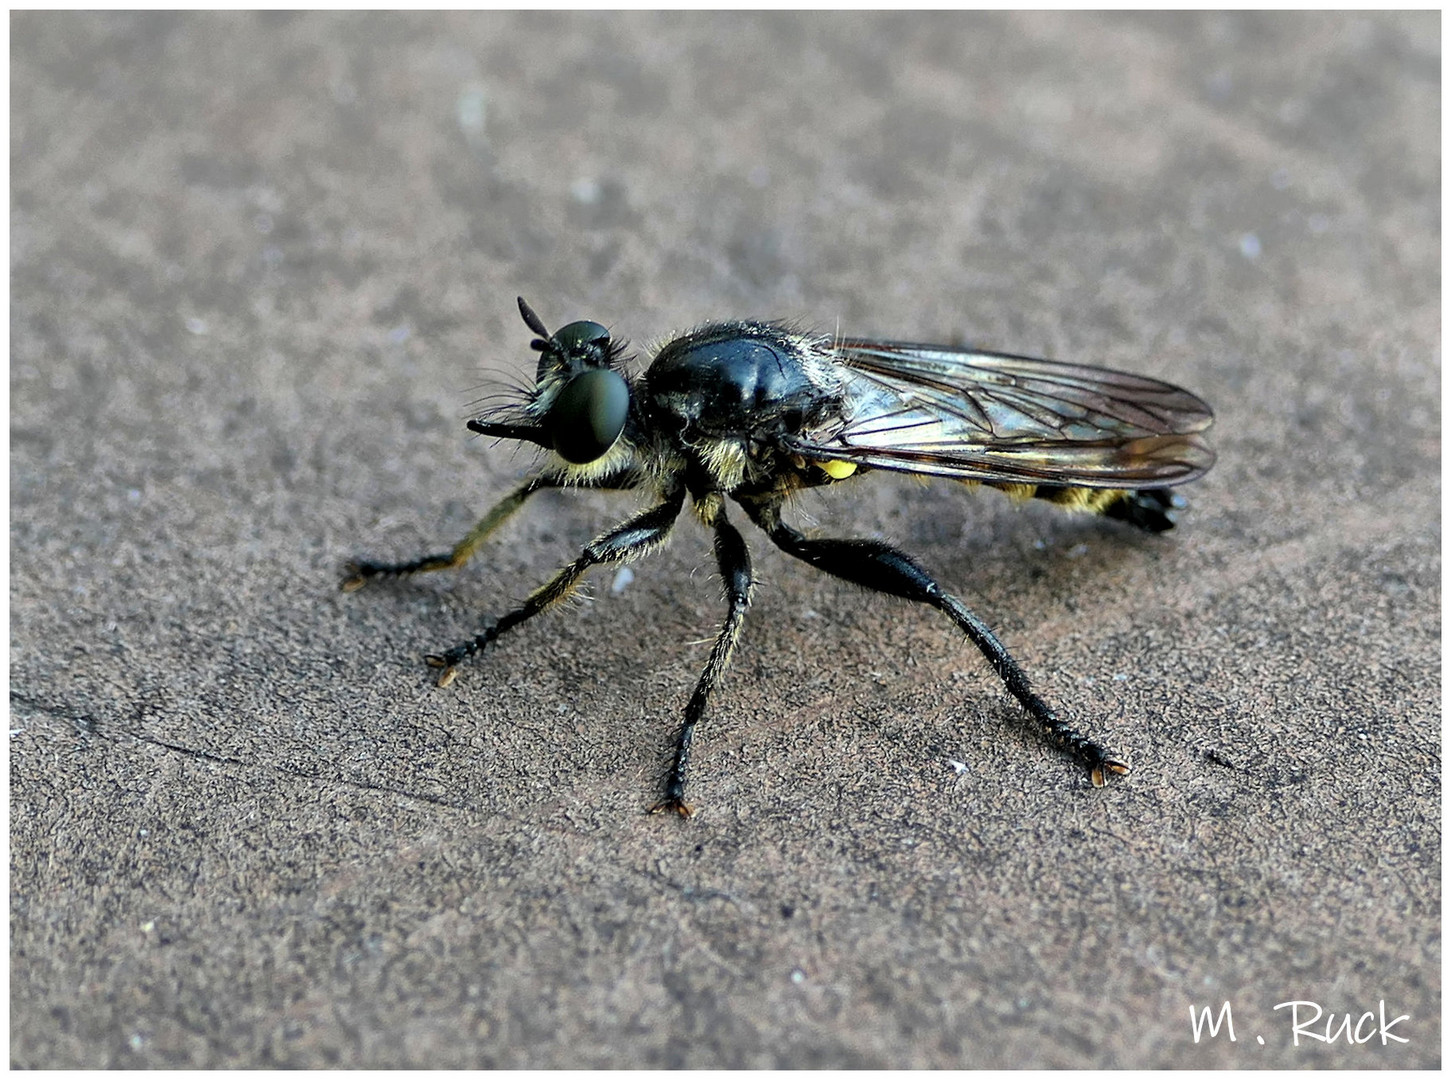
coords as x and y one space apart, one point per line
623 577
470 110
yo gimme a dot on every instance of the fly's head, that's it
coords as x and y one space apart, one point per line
580 401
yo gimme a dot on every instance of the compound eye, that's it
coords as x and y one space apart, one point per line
574 337
589 413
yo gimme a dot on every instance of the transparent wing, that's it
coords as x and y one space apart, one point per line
988 416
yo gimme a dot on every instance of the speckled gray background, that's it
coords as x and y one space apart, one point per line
260 265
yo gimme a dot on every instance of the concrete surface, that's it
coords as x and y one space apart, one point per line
262 264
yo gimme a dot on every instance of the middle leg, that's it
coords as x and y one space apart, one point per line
734 560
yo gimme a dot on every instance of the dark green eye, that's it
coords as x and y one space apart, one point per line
589 413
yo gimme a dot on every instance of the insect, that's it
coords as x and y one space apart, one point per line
753 412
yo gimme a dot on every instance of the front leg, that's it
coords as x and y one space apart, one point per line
623 543
360 571
734 560
882 567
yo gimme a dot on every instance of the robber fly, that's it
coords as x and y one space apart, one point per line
754 412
